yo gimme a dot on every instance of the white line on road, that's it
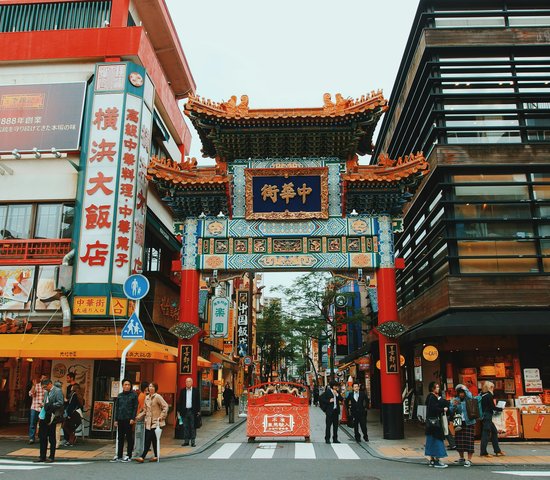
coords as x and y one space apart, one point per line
344 451
23 467
265 450
526 473
304 450
31 462
225 451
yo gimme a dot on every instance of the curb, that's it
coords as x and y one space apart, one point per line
201 449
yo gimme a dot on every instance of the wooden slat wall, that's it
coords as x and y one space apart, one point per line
490 155
486 37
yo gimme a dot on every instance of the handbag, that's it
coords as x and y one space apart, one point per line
457 422
198 421
472 408
433 422
445 424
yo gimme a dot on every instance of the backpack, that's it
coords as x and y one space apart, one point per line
473 408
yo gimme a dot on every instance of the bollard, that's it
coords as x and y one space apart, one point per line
232 412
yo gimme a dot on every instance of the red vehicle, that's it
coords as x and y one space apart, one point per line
278 409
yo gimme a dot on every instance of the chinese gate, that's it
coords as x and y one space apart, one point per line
287 192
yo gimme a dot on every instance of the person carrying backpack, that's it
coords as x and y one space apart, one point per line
488 428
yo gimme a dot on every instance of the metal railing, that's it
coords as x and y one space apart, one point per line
34 252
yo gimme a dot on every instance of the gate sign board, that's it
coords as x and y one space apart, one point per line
219 317
42 116
133 329
242 323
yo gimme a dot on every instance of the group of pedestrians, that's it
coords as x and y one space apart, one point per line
439 411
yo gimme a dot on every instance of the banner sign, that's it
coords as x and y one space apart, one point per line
242 322
41 116
340 316
219 317
186 354
392 362
291 193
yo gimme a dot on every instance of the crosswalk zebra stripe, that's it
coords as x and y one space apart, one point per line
525 473
304 450
344 451
23 467
265 451
225 451
31 462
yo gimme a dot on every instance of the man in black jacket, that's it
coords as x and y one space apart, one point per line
357 403
49 417
125 416
330 404
189 408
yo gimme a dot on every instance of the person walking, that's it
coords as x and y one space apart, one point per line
139 427
50 415
315 395
357 403
73 418
189 408
464 437
37 395
435 407
228 397
330 404
488 428
126 407
154 413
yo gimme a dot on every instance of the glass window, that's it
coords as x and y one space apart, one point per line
529 21
67 221
438 215
519 230
484 137
481 120
3 216
48 221
479 106
487 210
497 249
489 192
466 22
536 105
544 231
486 178
18 222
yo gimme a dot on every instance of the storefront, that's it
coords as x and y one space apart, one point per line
95 361
519 381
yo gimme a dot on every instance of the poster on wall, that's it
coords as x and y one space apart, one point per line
16 285
46 294
103 416
508 423
468 377
84 373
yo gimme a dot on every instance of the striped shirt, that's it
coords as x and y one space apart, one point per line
37 397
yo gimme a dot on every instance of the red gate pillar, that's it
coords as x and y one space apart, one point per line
390 368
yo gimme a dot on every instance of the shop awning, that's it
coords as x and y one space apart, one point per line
216 357
82 346
203 363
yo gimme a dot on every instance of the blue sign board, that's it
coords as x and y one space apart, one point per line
136 287
133 329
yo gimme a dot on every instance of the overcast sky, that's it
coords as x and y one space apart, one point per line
287 53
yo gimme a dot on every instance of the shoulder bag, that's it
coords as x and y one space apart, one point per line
457 422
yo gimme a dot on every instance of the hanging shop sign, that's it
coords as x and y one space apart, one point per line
392 361
340 316
430 353
41 116
186 353
289 193
219 317
243 315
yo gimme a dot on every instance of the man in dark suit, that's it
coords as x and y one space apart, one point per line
189 408
357 403
330 404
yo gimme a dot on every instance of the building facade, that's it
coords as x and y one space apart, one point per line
89 93
473 93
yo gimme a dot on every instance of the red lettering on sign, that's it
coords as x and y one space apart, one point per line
127 190
123 243
125 211
130 130
127 174
132 115
100 182
129 159
103 150
97 217
99 257
130 144
106 119
121 259
124 226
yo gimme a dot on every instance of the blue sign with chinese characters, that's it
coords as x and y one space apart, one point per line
133 330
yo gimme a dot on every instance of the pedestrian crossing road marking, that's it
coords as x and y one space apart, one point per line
22 465
525 473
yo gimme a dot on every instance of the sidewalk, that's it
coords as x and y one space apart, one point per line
411 449
213 428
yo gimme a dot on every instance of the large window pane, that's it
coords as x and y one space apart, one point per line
19 221
544 231
490 248
3 216
529 21
489 192
487 210
48 221
67 221
520 230
483 137
469 22
486 178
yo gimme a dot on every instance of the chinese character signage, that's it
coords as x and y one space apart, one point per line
41 116
219 317
291 193
392 360
186 353
340 315
114 195
242 322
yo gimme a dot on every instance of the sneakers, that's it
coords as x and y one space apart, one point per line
31 441
126 459
460 461
431 463
467 463
440 464
115 460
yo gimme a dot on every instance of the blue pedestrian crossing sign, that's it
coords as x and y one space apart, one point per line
133 329
136 287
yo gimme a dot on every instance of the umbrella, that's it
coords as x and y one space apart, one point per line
158 433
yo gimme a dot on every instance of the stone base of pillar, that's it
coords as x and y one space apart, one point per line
392 421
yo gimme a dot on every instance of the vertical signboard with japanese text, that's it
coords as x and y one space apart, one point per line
243 315
113 197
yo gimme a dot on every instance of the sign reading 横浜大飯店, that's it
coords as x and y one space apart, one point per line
290 193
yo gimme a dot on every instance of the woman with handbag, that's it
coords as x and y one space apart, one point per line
488 429
73 415
464 426
154 412
436 407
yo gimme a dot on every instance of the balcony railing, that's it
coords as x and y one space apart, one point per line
33 252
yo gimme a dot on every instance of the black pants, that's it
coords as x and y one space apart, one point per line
360 421
331 419
46 433
189 432
488 429
150 438
125 431
226 404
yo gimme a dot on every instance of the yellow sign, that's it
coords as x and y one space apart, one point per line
90 306
430 353
118 307
378 364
